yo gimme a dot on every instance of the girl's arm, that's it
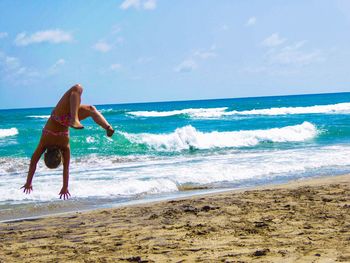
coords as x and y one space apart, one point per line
27 188
66 159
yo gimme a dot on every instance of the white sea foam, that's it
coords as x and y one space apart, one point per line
113 111
105 110
339 108
188 137
39 116
96 177
200 111
90 139
342 108
208 113
8 132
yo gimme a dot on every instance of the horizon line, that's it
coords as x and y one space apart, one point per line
190 100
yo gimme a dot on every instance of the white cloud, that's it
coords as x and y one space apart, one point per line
102 46
130 3
273 40
287 60
205 54
187 65
110 41
10 65
3 35
115 67
51 36
13 70
144 4
59 62
11 62
294 55
56 66
150 4
197 56
251 21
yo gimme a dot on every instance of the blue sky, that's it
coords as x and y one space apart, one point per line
156 50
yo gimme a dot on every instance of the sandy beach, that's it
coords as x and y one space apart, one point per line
302 221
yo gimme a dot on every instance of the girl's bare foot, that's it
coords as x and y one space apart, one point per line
76 125
110 131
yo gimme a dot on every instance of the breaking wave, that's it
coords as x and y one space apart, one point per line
189 138
39 116
8 132
190 112
97 176
323 109
339 108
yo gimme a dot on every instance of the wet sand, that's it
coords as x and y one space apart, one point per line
303 221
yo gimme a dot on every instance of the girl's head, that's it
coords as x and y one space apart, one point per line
53 157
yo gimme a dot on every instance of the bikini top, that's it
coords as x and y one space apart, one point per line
64 120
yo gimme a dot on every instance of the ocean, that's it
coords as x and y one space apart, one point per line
169 149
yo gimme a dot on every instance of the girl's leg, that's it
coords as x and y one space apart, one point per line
70 103
74 103
86 111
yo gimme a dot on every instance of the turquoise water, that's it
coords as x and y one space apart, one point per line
166 147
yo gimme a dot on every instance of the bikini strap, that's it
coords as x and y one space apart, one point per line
61 133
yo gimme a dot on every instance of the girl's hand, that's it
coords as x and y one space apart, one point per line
27 188
65 193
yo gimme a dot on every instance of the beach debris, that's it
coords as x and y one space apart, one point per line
262 252
136 259
260 224
153 216
189 209
307 226
283 252
171 212
174 201
207 208
326 199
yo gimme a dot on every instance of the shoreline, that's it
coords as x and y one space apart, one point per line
73 207
304 220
